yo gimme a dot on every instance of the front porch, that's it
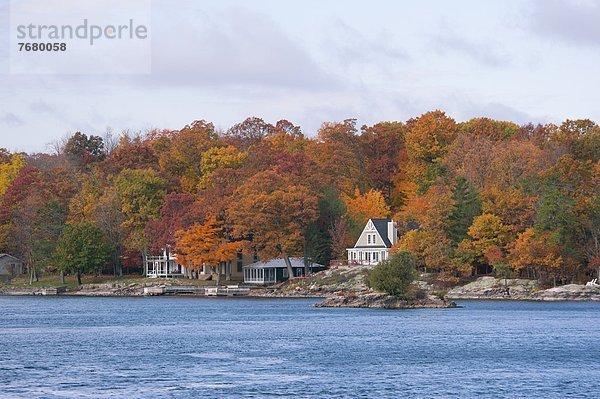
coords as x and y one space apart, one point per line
367 256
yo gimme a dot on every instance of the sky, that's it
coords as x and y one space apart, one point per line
311 61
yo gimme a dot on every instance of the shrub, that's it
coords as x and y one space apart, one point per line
394 275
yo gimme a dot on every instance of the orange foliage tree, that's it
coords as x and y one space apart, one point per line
206 245
363 207
274 211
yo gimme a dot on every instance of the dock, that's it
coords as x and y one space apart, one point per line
229 290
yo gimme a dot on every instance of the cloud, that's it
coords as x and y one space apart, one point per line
573 21
42 107
11 119
232 48
352 46
487 53
465 109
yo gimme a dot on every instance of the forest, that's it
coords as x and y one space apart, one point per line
475 197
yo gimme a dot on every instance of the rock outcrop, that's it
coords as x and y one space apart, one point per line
570 292
383 301
521 289
495 288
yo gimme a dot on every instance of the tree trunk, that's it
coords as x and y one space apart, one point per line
78 277
62 278
288 264
218 270
228 271
145 268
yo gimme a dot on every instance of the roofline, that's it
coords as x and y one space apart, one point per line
369 247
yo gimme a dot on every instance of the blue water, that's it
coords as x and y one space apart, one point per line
65 347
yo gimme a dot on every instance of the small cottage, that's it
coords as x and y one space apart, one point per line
374 243
10 266
275 270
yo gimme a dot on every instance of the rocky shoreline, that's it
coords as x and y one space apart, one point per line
384 301
520 289
339 288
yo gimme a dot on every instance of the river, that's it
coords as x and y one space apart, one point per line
168 347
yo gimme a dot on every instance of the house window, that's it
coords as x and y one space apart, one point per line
285 273
375 256
240 262
368 238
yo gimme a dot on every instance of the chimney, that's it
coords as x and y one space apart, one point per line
392 232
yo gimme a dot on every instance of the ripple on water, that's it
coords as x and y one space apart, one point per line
185 348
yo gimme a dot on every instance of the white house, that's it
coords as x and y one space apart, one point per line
374 242
167 265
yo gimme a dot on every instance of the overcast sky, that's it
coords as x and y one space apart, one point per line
312 61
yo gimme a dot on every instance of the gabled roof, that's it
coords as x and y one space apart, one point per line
10 256
381 225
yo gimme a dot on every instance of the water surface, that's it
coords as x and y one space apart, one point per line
63 347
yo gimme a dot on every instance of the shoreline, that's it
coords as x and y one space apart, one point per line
336 288
334 298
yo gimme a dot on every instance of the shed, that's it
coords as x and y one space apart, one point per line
10 266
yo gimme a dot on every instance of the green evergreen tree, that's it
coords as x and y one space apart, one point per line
466 207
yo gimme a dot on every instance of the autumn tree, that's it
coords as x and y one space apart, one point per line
382 145
427 140
10 165
249 132
363 207
178 212
274 211
109 219
132 152
487 242
180 153
141 193
207 245
337 154
83 150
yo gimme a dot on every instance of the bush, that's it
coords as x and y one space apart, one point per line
395 274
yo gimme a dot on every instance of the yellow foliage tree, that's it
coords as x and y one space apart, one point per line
537 253
363 207
9 170
429 135
219 158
